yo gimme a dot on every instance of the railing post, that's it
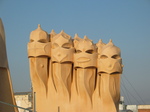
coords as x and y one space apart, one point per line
34 104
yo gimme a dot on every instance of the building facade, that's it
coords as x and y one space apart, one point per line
24 99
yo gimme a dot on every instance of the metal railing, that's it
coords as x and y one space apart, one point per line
34 106
16 106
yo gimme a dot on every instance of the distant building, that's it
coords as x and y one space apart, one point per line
127 108
24 99
143 108
132 108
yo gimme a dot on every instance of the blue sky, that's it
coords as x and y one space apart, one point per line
126 22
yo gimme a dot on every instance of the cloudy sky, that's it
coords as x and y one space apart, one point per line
126 22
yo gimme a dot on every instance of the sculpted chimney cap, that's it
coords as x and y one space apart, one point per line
39 34
110 47
86 38
65 34
61 34
109 44
76 37
53 32
100 45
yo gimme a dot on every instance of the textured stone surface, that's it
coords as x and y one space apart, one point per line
74 75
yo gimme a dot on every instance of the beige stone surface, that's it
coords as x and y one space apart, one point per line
84 74
6 91
23 99
109 69
39 53
74 75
